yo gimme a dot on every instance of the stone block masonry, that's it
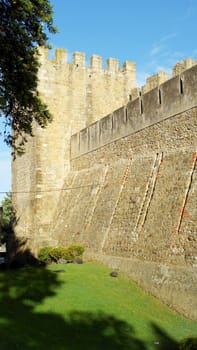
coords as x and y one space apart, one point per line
170 98
145 218
77 95
123 185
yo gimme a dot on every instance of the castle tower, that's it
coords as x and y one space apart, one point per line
77 95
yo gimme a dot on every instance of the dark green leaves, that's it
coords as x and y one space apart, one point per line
23 27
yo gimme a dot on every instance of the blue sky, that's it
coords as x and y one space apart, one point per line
155 34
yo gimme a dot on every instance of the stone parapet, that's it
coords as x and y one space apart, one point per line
79 58
174 96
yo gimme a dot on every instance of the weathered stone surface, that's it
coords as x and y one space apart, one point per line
173 97
125 187
173 284
77 96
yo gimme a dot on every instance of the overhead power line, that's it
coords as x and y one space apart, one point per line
49 190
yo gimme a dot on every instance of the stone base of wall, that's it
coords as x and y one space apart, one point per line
174 285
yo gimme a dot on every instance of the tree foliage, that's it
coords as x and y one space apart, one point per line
24 25
7 216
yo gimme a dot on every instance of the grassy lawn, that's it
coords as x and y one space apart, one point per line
83 308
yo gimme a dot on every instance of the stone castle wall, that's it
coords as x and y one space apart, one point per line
129 194
130 197
174 96
76 95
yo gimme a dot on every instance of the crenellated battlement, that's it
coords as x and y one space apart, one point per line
181 66
85 93
79 60
172 97
157 79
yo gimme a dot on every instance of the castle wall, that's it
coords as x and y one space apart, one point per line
23 195
76 95
124 186
130 197
170 98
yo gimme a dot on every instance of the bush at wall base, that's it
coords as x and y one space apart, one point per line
53 254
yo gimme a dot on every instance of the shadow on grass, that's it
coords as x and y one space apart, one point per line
22 327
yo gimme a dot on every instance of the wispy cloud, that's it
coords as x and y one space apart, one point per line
168 37
156 50
189 10
161 47
160 57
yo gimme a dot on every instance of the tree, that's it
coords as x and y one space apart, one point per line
24 26
7 216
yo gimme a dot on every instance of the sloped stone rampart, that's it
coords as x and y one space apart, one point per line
126 189
143 222
150 205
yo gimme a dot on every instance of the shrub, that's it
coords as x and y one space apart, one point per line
71 253
56 253
66 254
44 254
75 251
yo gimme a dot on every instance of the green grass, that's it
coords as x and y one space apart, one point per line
83 309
